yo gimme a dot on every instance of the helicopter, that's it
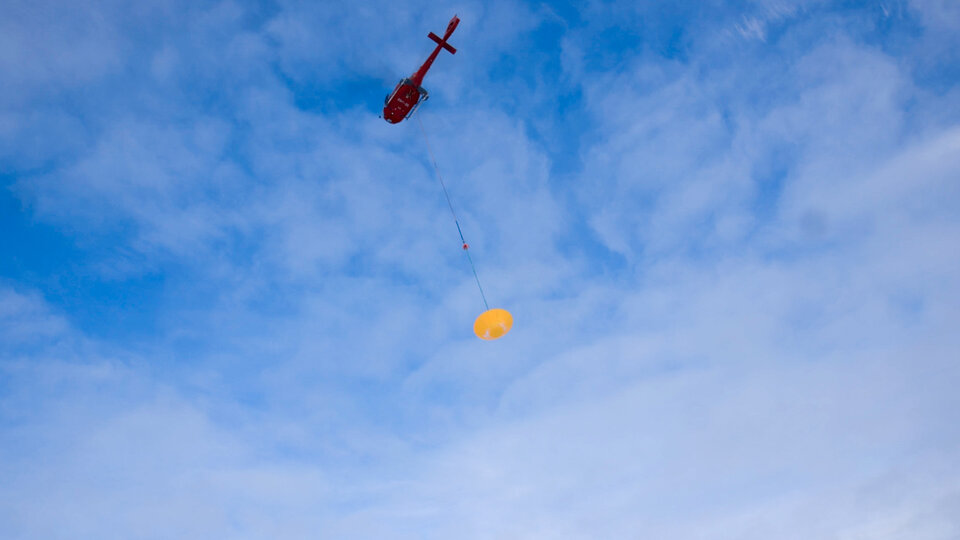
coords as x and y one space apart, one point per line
408 94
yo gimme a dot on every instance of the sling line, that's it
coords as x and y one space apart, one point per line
466 247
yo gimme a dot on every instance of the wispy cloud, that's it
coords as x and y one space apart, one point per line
724 235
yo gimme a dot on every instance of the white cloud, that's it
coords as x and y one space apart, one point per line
737 321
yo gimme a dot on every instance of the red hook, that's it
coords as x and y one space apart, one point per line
465 246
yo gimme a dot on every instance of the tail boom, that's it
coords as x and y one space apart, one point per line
417 77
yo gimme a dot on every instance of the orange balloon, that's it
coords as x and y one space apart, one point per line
493 324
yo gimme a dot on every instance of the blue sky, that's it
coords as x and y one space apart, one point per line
233 303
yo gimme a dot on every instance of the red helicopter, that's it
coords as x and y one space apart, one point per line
408 94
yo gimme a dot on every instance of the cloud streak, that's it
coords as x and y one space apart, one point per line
724 237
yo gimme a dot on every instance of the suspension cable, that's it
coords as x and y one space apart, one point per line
466 247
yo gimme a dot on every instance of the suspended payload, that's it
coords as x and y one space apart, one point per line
493 324
400 105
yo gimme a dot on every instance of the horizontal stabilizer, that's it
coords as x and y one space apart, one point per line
442 43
